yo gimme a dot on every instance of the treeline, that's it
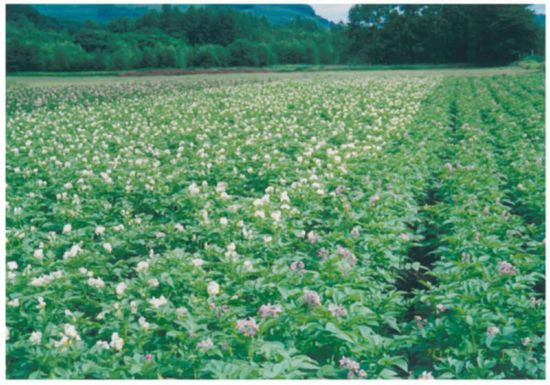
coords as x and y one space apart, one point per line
211 36
413 33
217 36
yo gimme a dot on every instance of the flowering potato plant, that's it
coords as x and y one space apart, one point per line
327 227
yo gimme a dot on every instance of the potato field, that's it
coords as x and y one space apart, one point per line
333 225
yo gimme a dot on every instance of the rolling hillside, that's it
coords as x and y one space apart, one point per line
104 13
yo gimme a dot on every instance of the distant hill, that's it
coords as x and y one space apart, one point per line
104 13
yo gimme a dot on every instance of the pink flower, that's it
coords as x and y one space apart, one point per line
313 237
426 376
297 265
248 327
269 310
311 298
322 252
506 268
339 190
348 363
205 344
337 310
347 255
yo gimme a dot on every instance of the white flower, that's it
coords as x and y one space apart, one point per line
99 230
63 342
27 270
220 187
492 331
120 288
259 214
14 302
108 248
178 227
158 302
72 252
181 312
38 253
118 227
231 253
67 228
142 266
276 216
143 323
12 265
70 331
45 279
117 343
153 282
102 344
41 304
205 344
96 282
7 333
224 221
197 262
213 288
426 376
193 189
284 197
248 266
35 338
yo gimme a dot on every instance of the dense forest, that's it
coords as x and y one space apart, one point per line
221 36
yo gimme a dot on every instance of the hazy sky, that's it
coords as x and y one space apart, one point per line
339 12
333 12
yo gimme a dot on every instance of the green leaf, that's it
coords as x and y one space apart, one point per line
338 333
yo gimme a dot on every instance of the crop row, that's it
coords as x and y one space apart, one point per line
484 315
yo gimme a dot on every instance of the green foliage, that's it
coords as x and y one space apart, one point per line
482 34
209 55
215 36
